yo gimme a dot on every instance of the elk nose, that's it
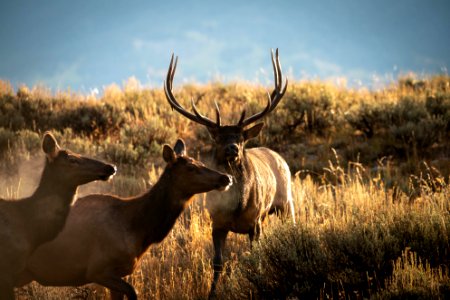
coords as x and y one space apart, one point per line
111 169
225 182
227 179
231 150
108 172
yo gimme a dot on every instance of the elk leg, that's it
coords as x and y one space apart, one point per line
6 290
118 287
278 210
255 233
219 237
284 211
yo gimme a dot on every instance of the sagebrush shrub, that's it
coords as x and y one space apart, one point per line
413 278
289 263
7 138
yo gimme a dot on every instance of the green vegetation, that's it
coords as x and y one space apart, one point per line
371 185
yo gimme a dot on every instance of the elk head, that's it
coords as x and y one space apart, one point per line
196 177
70 167
229 139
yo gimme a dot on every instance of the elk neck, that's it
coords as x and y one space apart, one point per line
242 171
52 184
47 208
158 209
238 168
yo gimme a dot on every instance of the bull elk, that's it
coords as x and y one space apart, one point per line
262 177
27 223
105 235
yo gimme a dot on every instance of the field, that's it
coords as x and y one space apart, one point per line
370 169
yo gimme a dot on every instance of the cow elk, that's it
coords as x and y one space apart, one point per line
262 177
106 235
27 223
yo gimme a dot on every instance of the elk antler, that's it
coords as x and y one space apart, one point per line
196 116
274 98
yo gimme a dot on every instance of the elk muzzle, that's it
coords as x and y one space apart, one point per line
109 171
231 152
225 182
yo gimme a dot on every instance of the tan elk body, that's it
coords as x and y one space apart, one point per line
262 180
105 235
267 180
29 222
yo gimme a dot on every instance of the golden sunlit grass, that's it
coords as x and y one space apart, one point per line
370 180
345 235
413 277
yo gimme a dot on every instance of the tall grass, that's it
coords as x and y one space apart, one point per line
350 240
371 186
414 278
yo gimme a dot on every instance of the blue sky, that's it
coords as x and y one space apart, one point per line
87 44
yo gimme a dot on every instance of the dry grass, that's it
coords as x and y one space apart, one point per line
371 180
356 218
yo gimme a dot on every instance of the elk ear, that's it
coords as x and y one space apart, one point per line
253 131
50 146
168 154
180 148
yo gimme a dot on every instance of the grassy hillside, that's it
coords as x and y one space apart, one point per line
401 126
371 172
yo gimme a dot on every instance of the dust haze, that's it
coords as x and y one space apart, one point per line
22 182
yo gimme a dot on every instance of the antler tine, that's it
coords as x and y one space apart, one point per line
172 68
169 81
218 120
276 73
241 119
276 95
256 116
197 117
202 117
279 90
